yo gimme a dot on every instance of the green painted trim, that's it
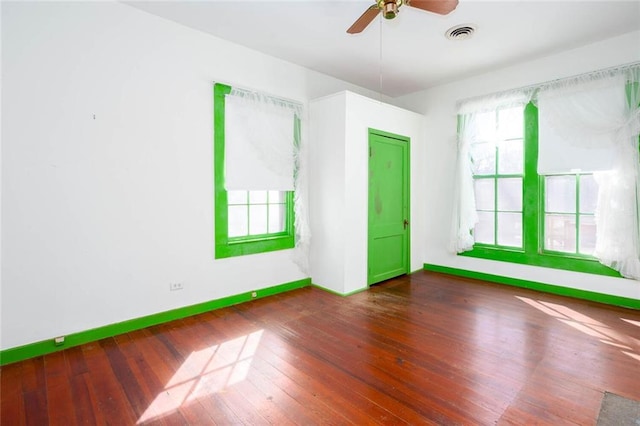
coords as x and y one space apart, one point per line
545 260
407 188
401 138
546 288
532 252
531 197
44 347
220 195
224 246
338 293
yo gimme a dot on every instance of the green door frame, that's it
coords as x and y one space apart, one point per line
406 201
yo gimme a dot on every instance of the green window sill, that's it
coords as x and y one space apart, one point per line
545 260
241 248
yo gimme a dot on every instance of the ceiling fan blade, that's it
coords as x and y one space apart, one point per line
441 7
364 20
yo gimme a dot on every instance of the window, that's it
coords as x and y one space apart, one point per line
583 133
255 213
524 217
498 176
569 214
247 221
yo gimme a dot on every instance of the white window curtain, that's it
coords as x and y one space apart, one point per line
261 153
259 142
465 216
578 124
589 123
594 122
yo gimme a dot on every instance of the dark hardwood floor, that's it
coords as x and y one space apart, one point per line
421 349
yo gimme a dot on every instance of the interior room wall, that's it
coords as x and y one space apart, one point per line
327 196
339 185
107 166
439 106
362 114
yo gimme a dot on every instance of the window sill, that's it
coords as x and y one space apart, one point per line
254 246
555 261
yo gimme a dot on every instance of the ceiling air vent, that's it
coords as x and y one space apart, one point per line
460 32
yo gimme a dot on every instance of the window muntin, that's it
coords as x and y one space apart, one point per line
256 213
569 214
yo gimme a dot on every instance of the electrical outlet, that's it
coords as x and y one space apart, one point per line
175 286
254 294
59 341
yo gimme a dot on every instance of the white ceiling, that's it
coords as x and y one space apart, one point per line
409 53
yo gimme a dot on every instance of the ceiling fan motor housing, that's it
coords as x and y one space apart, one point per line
389 8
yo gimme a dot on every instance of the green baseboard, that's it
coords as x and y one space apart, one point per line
532 285
328 290
44 347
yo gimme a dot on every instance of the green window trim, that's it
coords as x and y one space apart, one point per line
252 244
533 219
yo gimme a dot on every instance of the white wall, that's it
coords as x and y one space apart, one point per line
339 181
107 166
438 104
0 175
327 191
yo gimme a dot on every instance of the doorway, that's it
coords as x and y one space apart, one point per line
388 227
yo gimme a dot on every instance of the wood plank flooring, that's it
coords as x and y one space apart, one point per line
426 348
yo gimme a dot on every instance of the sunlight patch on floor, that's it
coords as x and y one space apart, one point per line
636 323
617 345
632 355
205 372
588 326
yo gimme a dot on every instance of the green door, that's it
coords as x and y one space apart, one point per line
388 248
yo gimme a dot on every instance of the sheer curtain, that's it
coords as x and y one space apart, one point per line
597 118
259 142
588 123
465 216
265 150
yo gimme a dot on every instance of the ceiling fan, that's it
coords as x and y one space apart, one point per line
390 8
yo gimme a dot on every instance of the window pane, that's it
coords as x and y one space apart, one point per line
510 194
484 158
511 123
587 234
276 197
588 194
510 229
257 197
486 126
560 194
560 233
510 160
484 230
276 218
238 221
237 197
257 220
484 190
